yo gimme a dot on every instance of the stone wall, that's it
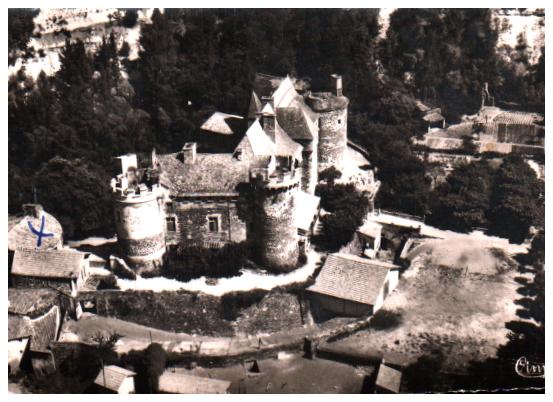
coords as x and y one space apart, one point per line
333 139
139 224
193 224
272 228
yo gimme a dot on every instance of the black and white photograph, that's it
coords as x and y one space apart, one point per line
247 199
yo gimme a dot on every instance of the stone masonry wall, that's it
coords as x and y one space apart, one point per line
332 138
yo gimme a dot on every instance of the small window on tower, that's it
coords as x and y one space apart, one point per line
171 224
339 121
213 223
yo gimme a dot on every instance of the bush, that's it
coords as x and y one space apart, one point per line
149 365
193 262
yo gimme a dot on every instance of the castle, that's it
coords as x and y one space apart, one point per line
261 190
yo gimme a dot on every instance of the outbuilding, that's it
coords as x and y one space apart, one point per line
353 286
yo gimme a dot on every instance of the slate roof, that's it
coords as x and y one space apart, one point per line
223 123
433 117
518 118
389 379
261 145
265 84
352 278
111 377
30 301
48 263
211 173
45 330
20 235
371 229
297 122
176 381
306 209
19 327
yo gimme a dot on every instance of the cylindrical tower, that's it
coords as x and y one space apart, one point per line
273 230
333 129
139 222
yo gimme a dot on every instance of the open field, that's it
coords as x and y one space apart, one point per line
455 298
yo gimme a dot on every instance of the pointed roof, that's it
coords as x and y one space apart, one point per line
285 146
268 109
222 123
255 106
297 123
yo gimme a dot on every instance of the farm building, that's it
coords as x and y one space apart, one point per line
353 286
64 270
115 379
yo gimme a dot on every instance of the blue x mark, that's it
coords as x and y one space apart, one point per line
39 233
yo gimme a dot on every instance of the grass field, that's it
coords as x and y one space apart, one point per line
455 298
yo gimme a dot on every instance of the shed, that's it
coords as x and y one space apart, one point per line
388 380
176 381
116 379
353 286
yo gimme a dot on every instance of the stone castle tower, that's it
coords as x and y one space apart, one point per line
332 108
273 231
138 217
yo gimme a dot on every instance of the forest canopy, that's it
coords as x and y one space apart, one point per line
100 104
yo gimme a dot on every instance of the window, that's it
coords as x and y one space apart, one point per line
171 224
213 223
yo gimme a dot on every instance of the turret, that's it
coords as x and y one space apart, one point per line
273 232
138 216
332 108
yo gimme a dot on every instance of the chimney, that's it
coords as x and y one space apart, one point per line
34 210
188 153
337 84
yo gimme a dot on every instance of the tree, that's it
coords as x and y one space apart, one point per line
462 202
77 193
149 368
517 200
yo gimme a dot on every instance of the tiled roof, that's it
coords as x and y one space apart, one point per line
20 235
211 173
389 378
297 123
222 123
111 377
433 117
518 118
265 84
48 264
285 146
352 278
176 381
19 327
30 301
45 330
306 206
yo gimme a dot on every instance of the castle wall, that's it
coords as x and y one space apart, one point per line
310 161
193 222
333 138
273 230
140 231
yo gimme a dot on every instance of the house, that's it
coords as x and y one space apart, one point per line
115 379
434 119
176 381
65 270
388 380
29 339
370 236
34 230
353 286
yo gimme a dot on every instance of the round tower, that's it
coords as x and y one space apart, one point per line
332 108
273 230
139 220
